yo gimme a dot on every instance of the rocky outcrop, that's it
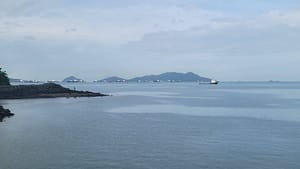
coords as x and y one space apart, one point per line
47 90
4 113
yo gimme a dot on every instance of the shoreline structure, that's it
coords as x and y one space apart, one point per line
47 90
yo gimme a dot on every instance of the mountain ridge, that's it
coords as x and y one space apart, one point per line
72 79
112 79
172 77
165 77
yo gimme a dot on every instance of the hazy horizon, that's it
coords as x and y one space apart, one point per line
129 78
94 39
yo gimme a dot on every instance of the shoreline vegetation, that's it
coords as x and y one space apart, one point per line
47 90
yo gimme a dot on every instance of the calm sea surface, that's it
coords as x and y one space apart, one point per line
157 126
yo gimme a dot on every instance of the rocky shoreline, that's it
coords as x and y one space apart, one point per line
4 113
47 90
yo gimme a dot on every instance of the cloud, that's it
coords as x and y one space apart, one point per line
100 38
250 48
110 26
117 25
71 30
28 8
29 37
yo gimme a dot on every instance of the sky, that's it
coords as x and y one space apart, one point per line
94 39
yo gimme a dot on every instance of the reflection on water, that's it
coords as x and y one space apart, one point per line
266 114
173 126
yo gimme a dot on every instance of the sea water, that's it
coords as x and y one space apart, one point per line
157 126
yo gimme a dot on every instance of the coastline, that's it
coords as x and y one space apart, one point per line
47 90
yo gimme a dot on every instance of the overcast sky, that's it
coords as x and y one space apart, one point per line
93 39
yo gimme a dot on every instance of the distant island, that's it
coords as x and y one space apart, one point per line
72 79
112 79
164 77
171 77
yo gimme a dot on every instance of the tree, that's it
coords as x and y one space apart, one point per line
3 78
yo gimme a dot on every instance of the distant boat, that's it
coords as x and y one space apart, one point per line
213 82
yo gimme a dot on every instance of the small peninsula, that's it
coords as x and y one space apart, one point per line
47 90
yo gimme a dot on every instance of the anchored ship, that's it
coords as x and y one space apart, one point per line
213 82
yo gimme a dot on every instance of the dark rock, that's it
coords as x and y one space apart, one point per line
4 113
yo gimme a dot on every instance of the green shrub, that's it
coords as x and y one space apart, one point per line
4 80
